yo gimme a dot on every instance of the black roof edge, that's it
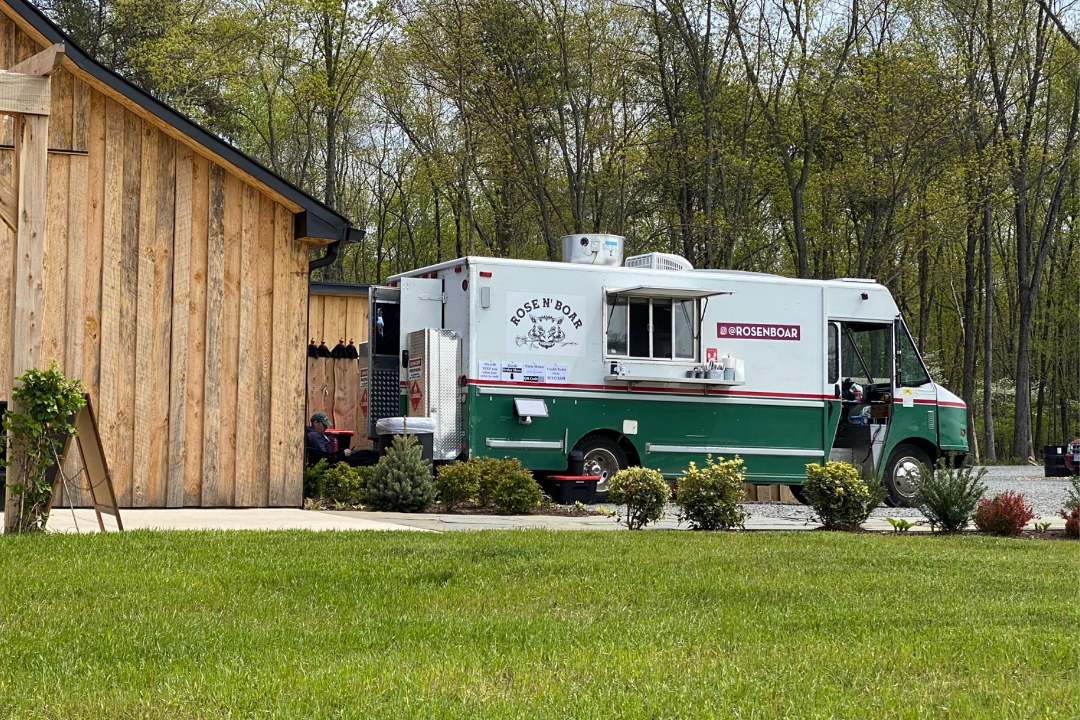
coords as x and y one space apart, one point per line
338 288
320 221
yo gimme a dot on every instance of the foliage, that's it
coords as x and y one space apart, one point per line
948 496
313 477
711 497
900 525
402 479
1072 522
840 496
643 491
343 483
458 483
44 403
492 471
1004 514
1072 501
516 492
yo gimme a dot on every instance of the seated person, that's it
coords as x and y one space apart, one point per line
321 446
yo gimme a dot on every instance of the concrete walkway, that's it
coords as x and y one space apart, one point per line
297 519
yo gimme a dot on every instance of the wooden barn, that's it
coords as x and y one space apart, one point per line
171 277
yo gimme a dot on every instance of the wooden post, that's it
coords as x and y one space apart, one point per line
31 175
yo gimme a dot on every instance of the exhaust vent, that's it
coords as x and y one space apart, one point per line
659 261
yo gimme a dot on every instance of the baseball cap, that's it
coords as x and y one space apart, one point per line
321 418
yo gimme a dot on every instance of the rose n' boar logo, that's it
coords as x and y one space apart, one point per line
545 323
546 332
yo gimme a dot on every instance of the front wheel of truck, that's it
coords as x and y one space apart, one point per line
902 474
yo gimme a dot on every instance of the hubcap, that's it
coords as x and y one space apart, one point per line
603 463
906 476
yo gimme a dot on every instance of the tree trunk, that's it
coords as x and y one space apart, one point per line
969 325
989 450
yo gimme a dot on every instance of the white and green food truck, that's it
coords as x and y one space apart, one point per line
652 362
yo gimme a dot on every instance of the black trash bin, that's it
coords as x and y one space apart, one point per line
1054 461
422 428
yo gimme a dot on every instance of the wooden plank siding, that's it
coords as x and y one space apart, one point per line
174 288
335 317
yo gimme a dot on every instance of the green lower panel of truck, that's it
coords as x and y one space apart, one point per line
776 440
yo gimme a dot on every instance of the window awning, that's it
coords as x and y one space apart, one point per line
650 291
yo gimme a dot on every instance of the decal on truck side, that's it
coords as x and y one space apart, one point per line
757 331
545 324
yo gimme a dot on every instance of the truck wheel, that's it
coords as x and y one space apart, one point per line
902 474
797 491
603 457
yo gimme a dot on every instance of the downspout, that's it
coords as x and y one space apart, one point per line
351 235
329 257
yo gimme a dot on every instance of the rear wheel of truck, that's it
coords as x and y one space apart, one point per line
603 457
902 474
797 491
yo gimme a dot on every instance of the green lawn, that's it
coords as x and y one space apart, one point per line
537 625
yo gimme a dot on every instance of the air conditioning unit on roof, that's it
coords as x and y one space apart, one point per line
659 261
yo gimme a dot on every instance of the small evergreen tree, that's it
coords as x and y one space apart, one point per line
402 481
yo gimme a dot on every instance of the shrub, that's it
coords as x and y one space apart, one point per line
516 492
840 496
1005 514
643 491
343 483
458 483
710 497
1072 522
491 471
313 478
948 496
402 479
38 423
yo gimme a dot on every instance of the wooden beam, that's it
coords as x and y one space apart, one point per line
32 138
9 205
27 94
45 62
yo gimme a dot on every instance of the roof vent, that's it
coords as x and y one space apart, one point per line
659 261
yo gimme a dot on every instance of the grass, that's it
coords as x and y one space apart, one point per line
537 625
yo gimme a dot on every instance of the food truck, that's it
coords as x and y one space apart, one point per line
652 362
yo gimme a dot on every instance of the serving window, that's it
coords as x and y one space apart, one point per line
654 328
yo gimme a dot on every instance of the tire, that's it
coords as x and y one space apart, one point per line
902 473
603 457
797 491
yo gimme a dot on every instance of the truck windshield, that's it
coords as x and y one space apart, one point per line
867 353
912 372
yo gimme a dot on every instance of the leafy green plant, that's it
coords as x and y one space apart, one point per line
516 492
402 480
840 496
710 496
1005 514
313 478
1042 526
491 471
342 483
900 525
458 483
644 492
44 403
948 496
